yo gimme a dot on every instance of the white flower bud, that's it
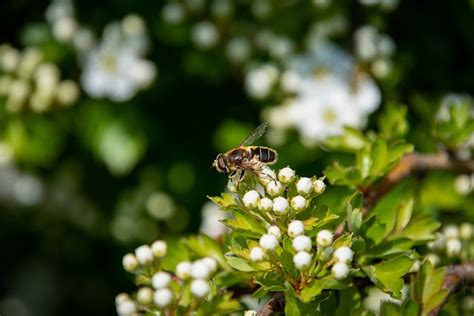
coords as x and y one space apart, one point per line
268 242
302 243
145 295
295 228
122 297
343 254
302 260
183 269
451 231
211 263
257 254
127 307
298 203
251 199
319 186
275 231
324 238
265 204
144 254
453 247
286 175
274 188
463 184
250 313
163 297
280 205
304 186
200 288
67 92
159 248
340 270
200 270
160 280
129 262
433 258
438 244
266 176
204 34
465 231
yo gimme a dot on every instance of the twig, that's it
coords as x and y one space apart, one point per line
455 277
276 303
413 163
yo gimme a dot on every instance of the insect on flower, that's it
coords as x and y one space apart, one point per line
252 159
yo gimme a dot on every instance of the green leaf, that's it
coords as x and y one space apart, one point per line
389 309
420 229
239 264
390 248
404 213
379 157
271 282
318 285
244 222
224 201
388 275
351 140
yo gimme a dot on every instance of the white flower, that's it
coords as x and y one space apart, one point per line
114 69
302 243
211 224
267 175
453 247
251 199
302 260
465 231
319 186
257 254
260 81
433 258
451 231
204 35
163 297
159 248
67 92
438 244
275 231
298 203
63 29
121 297
462 184
274 188
173 13
324 238
268 242
200 270
211 263
144 254
250 313
280 205
304 186
340 270
381 68
295 228
290 81
145 295
238 49
265 204
127 307
343 254
200 288
183 269
160 280
286 175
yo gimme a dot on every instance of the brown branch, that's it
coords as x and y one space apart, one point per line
276 303
455 277
411 164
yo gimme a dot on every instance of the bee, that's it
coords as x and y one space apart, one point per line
252 159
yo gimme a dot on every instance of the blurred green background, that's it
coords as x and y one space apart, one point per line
61 251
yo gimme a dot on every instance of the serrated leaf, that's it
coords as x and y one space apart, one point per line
404 215
388 275
242 221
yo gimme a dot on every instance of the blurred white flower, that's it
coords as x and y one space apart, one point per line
204 35
211 217
115 68
260 81
328 95
173 13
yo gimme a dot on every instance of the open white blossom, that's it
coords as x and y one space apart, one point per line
328 95
115 68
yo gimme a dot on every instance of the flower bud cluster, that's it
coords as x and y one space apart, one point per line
161 287
28 81
453 242
281 203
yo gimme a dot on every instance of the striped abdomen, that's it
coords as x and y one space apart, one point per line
263 154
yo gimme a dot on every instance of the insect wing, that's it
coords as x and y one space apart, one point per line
256 134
